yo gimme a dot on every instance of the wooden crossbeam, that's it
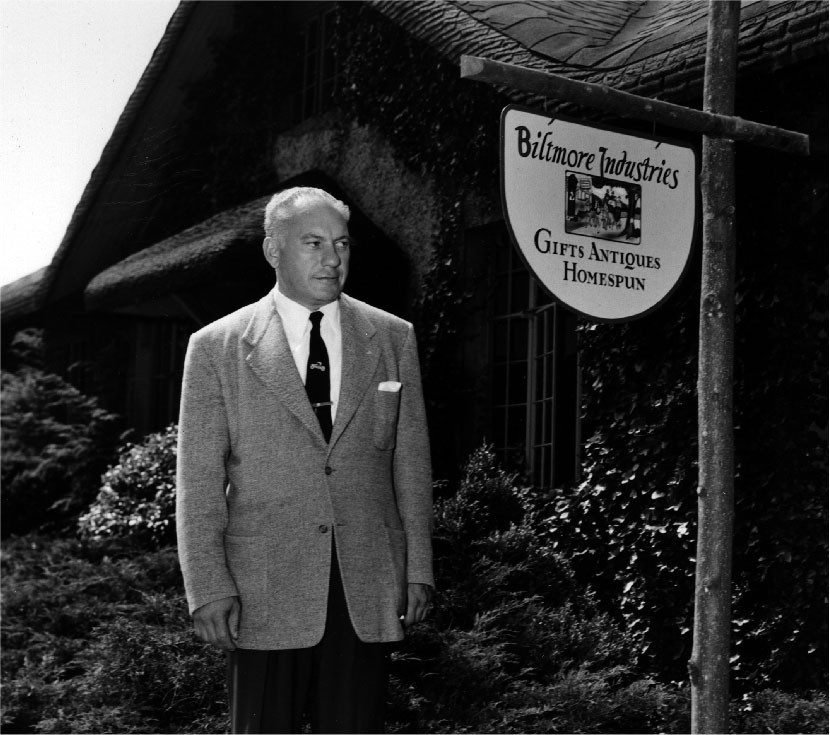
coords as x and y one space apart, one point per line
605 98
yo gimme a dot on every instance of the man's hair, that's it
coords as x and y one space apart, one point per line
284 203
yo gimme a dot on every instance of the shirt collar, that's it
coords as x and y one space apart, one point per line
295 316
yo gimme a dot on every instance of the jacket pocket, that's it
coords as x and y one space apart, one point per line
387 404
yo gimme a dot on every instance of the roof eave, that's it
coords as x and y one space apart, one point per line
149 78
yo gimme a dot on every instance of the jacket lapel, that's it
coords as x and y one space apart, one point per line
271 360
360 359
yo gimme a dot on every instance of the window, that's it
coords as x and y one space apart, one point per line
320 72
535 375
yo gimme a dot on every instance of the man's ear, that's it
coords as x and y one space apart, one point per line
271 251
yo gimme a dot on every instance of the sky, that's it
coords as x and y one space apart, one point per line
67 69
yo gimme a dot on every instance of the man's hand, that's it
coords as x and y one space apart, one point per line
418 603
218 622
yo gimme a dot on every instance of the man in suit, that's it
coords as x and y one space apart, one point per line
304 494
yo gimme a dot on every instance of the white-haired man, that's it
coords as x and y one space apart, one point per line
304 502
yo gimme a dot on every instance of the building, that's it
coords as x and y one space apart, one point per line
363 99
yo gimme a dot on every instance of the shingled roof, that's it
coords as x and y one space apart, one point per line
650 47
194 256
23 296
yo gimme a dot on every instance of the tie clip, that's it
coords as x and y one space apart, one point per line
324 403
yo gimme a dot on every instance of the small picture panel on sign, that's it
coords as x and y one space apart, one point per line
602 208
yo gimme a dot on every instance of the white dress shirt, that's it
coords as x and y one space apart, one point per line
297 328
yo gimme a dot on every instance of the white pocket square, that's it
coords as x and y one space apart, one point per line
389 386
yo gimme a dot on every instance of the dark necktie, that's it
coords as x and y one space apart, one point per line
317 383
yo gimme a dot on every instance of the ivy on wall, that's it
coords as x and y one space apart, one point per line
631 524
442 128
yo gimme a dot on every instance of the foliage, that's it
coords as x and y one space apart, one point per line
55 444
518 644
26 350
488 499
137 501
630 525
772 711
515 645
446 130
440 125
96 639
781 373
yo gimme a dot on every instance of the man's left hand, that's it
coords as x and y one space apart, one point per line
418 603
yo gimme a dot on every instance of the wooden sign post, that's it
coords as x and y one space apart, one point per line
709 665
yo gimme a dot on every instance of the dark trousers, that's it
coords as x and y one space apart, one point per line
339 684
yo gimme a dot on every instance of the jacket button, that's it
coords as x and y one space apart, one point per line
329 470
323 528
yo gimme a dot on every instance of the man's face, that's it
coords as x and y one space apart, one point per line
312 258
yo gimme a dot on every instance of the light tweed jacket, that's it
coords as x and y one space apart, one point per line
260 493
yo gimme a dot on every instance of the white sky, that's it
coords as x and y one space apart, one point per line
67 69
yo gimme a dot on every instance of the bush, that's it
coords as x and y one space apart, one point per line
55 444
97 639
488 499
486 547
137 502
515 645
773 711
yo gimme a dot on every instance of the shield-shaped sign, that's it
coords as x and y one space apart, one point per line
606 220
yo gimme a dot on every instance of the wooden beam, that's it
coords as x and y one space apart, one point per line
709 665
605 98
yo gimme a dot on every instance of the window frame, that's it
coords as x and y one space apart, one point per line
320 77
543 321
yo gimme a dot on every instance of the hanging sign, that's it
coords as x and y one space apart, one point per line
604 219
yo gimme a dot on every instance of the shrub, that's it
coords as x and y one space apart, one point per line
487 548
513 637
97 639
55 444
26 350
137 502
773 711
488 500
595 702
